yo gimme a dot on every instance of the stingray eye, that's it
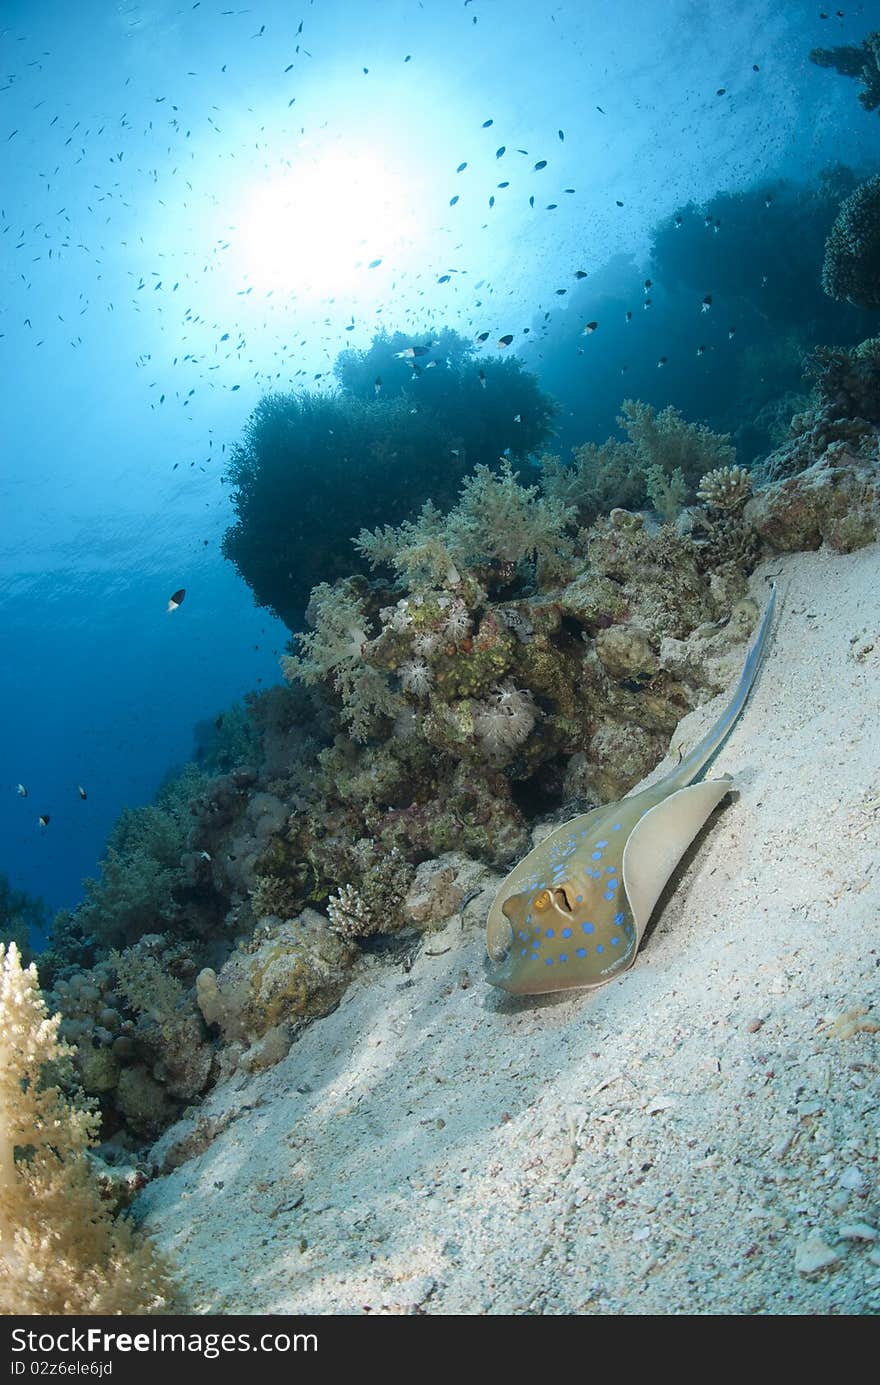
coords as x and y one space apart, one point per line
499 939
563 899
542 901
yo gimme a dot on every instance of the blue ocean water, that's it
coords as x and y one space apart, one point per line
201 204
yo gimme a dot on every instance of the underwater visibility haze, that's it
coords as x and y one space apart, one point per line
397 400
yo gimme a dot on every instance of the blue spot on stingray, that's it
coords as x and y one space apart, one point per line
549 933
619 918
599 947
582 952
614 942
523 937
579 899
588 928
609 894
611 870
601 843
597 856
564 957
566 932
523 953
616 827
548 961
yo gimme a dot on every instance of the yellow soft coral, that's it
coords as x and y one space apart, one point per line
61 1250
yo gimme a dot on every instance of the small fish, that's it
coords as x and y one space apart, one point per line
542 163
506 339
589 327
377 385
500 151
453 200
678 222
374 264
482 379
43 820
204 855
706 303
461 168
722 91
82 793
176 600
701 350
647 303
410 352
483 336
768 200
580 273
517 418
561 134
600 110
647 286
628 317
531 201
22 791
487 123
731 333
662 361
618 201
572 914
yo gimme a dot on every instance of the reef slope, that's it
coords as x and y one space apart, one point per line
697 1137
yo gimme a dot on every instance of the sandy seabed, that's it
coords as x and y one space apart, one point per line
699 1136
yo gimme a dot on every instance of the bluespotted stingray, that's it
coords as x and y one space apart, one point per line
573 912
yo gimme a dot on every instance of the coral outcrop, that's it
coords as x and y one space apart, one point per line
852 253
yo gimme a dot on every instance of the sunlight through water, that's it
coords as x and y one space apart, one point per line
317 228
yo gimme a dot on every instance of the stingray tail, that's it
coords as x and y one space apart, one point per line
698 758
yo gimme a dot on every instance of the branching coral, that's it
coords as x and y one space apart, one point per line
851 270
61 1250
726 488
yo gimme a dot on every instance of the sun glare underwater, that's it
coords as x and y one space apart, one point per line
397 400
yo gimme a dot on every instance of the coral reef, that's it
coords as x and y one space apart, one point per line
311 469
290 971
61 1249
844 409
142 871
661 464
851 269
504 658
861 61
835 501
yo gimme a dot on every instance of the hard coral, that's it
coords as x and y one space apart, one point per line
726 488
852 253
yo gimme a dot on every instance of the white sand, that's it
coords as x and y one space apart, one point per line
700 1136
